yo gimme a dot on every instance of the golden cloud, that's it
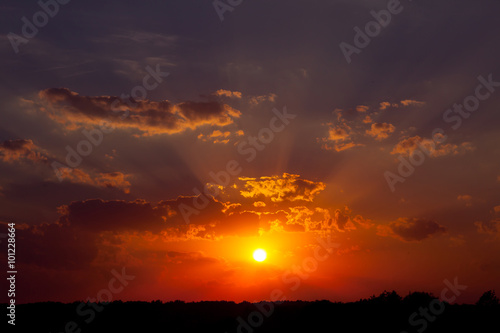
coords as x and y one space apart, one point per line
380 131
228 93
288 187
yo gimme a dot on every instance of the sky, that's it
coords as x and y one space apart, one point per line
163 142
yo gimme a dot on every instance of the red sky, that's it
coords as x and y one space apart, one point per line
356 177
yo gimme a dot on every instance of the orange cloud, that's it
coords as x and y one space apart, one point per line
381 131
386 105
339 138
228 93
218 136
264 98
409 145
340 135
367 120
362 108
409 102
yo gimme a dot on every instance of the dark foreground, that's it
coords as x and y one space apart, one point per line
417 312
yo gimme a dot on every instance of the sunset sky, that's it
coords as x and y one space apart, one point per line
254 131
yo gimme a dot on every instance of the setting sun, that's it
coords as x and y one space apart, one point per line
259 255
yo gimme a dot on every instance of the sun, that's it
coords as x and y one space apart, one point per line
259 255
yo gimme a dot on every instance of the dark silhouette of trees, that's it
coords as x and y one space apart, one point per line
488 299
386 298
418 298
387 312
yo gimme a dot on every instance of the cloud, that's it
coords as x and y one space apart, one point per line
96 230
148 117
25 150
228 93
339 138
189 257
338 133
113 180
255 100
409 102
288 187
161 218
88 228
115 215
411 229
409 145
56 246
342 221
18 150
217 136
362 108
386 105
380 131
491 227
367 120
116 180
348 129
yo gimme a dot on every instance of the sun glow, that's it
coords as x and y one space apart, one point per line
259 255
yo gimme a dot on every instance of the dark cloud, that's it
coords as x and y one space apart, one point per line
147 117
343 221
56 246
114 180
20 149
189 257
117 215
411 229
98 215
